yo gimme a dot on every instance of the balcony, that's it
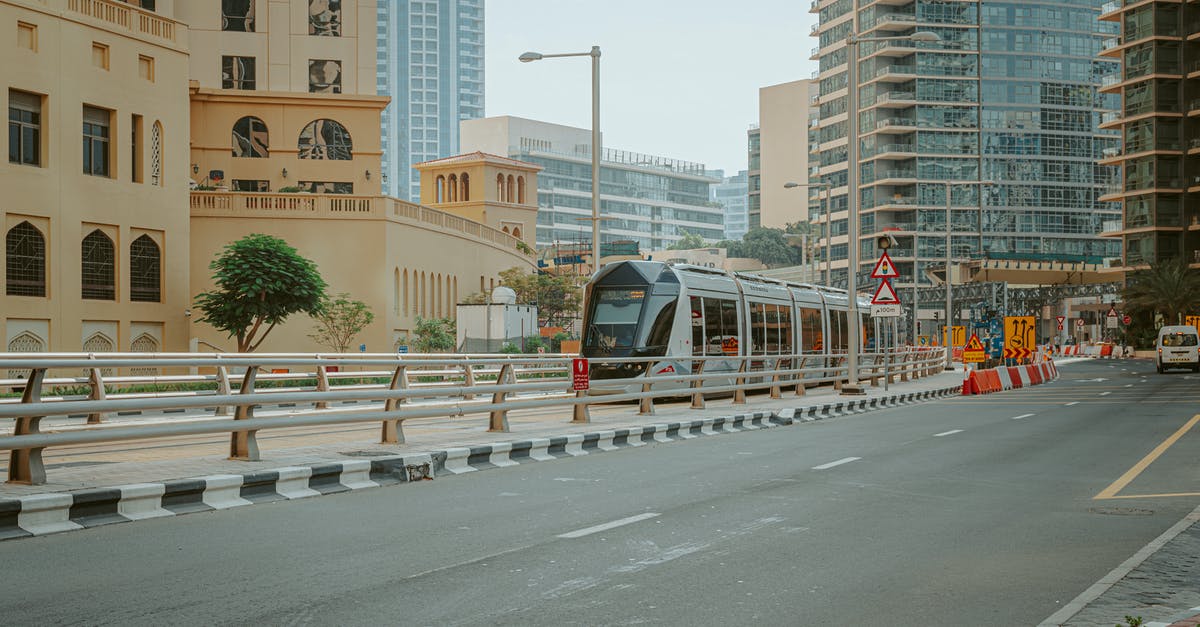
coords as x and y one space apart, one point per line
814 6
885 149
902 123
897 71
897 96
124 17
1110 80
1193 106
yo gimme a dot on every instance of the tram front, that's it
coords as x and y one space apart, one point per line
629 313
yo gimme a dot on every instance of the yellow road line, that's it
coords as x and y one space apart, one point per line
1131 474
1154 496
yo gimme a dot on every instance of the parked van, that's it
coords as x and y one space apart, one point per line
1178 347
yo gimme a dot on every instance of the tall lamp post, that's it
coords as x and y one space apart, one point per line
594 53
827 188
852 41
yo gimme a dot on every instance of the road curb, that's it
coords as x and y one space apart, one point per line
45 514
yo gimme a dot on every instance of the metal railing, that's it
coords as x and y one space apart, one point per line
396 388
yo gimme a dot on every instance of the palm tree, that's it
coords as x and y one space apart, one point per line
1169 287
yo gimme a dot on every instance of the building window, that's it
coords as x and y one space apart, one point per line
250 138
237 15
326 187
135 129
325 18
325 139
156 154
237 73
24 128
27 36
100 55
25 261
146 67
96 123
99 269
145 275
251 185
324 76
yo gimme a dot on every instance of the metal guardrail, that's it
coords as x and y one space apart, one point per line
409 386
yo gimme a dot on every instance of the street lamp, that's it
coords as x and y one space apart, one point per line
852 42
594 53
827 188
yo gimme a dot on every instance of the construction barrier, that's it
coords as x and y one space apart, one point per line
1007 378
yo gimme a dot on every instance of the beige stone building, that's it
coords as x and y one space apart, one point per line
95 191
785 112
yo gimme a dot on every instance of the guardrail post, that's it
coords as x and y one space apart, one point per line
800 391
25 465
646 404
243 445
392 431
697 386
579 413
223 388
498 419
908 365
873 378
468 379
97 393
837 375
322 386
739 395
776 392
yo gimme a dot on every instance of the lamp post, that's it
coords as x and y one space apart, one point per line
594 53
827 188
852 42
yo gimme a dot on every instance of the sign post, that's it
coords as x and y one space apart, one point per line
1110 320
1020 332
885 304
579 374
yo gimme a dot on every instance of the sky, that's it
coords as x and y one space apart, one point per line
678 78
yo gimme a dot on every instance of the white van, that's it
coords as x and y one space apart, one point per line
1178 347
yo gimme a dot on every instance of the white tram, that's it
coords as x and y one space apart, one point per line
653 309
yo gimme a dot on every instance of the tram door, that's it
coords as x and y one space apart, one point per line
716 332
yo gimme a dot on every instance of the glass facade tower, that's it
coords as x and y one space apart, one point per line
1003 114
430 61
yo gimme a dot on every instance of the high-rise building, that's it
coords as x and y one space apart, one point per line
785 114
1159 97
1003 113
648 199
754 176
429 55
732 193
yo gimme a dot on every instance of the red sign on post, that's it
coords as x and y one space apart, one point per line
579 373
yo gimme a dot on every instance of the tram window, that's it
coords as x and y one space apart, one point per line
697 326
615 317
758 328
656 329
729 323
783 327
713 333
812 336
841 326
867 334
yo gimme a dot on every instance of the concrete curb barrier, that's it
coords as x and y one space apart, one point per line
44 514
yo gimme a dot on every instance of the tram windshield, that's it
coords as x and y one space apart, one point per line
614 316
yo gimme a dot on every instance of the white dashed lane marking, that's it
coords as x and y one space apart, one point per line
1105 393
1023 416
606 526
945 433
844 460
1072 403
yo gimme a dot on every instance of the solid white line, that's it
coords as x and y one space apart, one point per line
1023 416
606 526
1105 393
1072 403
844 460
938 435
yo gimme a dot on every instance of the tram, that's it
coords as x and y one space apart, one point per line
677 312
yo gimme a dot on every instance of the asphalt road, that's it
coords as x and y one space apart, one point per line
979 510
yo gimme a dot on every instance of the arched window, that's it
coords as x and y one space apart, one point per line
453 195
440 189
521 190
516 232
145 271
250 138
99 271
396 291
156 162
325 139
144 343
508 190
406 310
24 342
500 188
505 229
25 261
464 181
98 343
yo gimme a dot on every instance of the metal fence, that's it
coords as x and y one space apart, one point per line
228 388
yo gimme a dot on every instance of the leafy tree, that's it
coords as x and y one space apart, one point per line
558 298
476 298
510 349
690 241
533 343
434 335
339 320
769 246
1169 287
260 280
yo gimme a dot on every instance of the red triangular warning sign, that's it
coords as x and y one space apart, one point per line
885 295
884 268
973 344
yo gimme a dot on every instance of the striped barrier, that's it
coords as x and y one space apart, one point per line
1007 378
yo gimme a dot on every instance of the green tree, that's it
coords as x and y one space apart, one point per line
1168 287
690 241
339 320
434 335
260 280
558 298
769 246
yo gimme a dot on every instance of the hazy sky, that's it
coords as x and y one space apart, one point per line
678 78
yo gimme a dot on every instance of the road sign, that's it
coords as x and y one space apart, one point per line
402 349
973 352
884 268
1061 320
1017 353
1110 319
1127 319
885 294
958 336
886 310
1192 321
1020 332
579 373
362 348
1079 322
